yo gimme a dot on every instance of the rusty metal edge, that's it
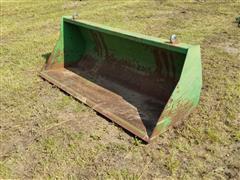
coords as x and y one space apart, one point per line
123 123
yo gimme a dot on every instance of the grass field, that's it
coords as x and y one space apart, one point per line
44 133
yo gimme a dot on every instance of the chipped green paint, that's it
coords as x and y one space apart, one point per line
162 126
186 95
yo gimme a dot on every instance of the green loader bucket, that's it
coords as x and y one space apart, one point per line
142 83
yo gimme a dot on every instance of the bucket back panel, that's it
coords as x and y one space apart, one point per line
147 69
101 46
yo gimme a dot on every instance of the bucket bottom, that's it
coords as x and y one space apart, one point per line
130 98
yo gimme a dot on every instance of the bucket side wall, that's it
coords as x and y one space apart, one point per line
186 95
56 59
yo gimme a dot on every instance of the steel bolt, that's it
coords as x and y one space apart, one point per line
173 38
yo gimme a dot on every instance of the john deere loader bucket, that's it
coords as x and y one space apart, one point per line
142 83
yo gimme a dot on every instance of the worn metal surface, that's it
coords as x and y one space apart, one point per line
144 84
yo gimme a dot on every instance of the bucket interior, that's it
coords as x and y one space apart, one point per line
124 78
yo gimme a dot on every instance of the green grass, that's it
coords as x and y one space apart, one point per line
45 133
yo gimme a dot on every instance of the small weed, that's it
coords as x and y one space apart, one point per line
5 172
137 141
95 137
213 135
50 145
172 163
121 175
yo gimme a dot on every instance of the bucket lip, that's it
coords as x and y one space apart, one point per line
138 37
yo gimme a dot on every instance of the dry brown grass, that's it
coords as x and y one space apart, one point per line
46 133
